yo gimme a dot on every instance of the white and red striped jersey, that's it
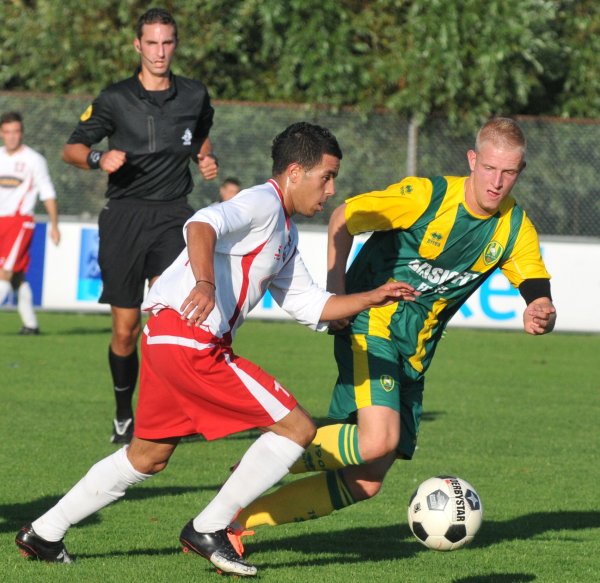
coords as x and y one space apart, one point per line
256 250
23 177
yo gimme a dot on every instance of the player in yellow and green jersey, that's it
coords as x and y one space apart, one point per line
445 236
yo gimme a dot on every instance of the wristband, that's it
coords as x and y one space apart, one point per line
93 159
206 281
534 288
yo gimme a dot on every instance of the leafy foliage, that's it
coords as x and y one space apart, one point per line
465 59
579 95
361 68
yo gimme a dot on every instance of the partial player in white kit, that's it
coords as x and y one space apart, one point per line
255 249
23 177
192 381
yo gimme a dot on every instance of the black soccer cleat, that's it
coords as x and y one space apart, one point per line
35 547
122 431
25 331
216 547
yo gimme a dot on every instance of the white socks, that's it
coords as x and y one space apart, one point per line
24 302
25 305
4 290
104 483
265 462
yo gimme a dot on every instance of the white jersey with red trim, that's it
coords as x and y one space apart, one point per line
256 250
23 177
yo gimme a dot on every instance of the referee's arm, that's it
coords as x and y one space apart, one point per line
207 161
76 155
82 156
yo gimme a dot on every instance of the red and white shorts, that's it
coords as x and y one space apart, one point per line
15 239
191 382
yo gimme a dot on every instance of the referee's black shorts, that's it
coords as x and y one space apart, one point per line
139 239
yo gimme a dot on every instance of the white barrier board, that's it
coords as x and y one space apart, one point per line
67 278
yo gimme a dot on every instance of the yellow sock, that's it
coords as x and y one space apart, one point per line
305 499
334 447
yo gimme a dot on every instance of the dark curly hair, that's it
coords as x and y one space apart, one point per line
304 143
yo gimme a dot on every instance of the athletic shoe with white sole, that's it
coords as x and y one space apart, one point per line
216 547
122 431
33 546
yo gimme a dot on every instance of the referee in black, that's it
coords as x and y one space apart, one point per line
155 123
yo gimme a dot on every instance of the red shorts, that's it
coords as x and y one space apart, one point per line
15 239
191 382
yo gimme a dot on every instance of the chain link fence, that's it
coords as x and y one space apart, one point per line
559 188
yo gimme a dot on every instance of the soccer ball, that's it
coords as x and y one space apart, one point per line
444 513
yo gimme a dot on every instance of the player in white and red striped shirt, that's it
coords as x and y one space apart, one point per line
23 178
192 381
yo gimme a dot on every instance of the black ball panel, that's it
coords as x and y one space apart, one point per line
419 531
456 533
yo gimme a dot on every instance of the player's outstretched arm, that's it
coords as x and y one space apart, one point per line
539 317
339 244
343 306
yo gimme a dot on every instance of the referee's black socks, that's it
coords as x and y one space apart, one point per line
124 370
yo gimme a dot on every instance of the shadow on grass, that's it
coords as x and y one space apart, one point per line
175 549
372 545
359 545
80 331
431 415
45 333
497 578
14 516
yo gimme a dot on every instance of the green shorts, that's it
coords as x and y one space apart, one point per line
372 372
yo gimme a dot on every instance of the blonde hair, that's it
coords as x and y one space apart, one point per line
504 132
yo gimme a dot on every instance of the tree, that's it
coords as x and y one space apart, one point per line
463 59
579 92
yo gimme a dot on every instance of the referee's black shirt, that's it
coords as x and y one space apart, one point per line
159 131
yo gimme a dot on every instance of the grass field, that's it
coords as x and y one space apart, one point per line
516 416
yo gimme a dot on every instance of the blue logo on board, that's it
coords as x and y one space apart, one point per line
89 282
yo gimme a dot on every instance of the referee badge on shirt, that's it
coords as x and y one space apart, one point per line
86 114
187 137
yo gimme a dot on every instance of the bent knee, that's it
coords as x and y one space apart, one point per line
364 489
374 450
365 481
147 466
297 426
124 342
147 461
371 489
305 432
310 433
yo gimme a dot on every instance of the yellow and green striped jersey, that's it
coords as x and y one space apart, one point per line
424 234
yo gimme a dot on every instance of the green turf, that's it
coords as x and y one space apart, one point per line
516 416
